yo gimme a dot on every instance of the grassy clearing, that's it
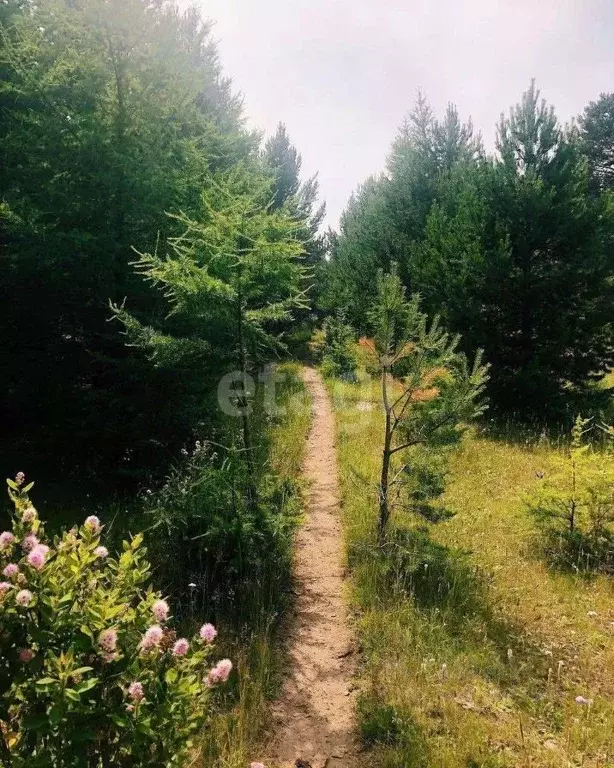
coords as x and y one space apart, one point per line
474 651
232 736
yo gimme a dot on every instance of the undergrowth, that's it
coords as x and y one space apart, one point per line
231 738
475 652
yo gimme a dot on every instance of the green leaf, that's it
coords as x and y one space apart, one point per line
12 484
81 671
46 681
87 685
171 676
72 694
28 487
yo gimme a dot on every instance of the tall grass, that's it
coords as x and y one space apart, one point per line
474 651
241 712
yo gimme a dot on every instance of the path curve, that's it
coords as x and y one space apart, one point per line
313 720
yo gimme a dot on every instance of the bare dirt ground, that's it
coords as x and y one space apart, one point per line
313 721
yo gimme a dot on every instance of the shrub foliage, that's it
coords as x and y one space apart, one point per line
92 674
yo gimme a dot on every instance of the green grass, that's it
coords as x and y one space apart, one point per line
473 649
241 715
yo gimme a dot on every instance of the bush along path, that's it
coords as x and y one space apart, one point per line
314 718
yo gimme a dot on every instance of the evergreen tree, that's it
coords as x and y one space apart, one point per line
231 277
556 301
597 140
113 113
429 393
299 197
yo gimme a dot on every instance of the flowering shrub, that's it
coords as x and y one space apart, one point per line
91 672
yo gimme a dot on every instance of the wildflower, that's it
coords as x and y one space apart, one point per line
30 542
108 640
181 647
101 552
257 765
29 515
109 657
11 570
4 587
37 556
208 633
135 691
152 638
592 613
24 598
219 673
510 654
6 539
26 655
583 701
92 523
160 610
19 478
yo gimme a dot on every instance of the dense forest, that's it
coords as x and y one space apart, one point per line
119 129
512 249
176 315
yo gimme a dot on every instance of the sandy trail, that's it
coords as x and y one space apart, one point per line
314 717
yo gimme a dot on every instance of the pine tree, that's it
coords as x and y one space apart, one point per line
299 197
429 393
597 140
555 313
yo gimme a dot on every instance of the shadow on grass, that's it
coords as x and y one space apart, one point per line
452 594
382 725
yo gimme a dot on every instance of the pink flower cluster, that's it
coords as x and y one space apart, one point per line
220 672
181 647
11 570
160 610
101 552
4 587
93 523
6 539
208 633
108 640
30 542
29 515
24 598
152 638
136 692
26 655
38 556
257 765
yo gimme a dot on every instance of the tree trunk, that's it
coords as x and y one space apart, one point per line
248 447
384 505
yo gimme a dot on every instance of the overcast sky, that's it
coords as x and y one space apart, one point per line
342 74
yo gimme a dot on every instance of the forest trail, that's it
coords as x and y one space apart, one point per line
313 720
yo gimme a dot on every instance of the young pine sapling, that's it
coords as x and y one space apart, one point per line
429 391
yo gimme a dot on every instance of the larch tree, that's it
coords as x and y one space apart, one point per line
231 278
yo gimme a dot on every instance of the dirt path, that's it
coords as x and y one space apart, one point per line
314 717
